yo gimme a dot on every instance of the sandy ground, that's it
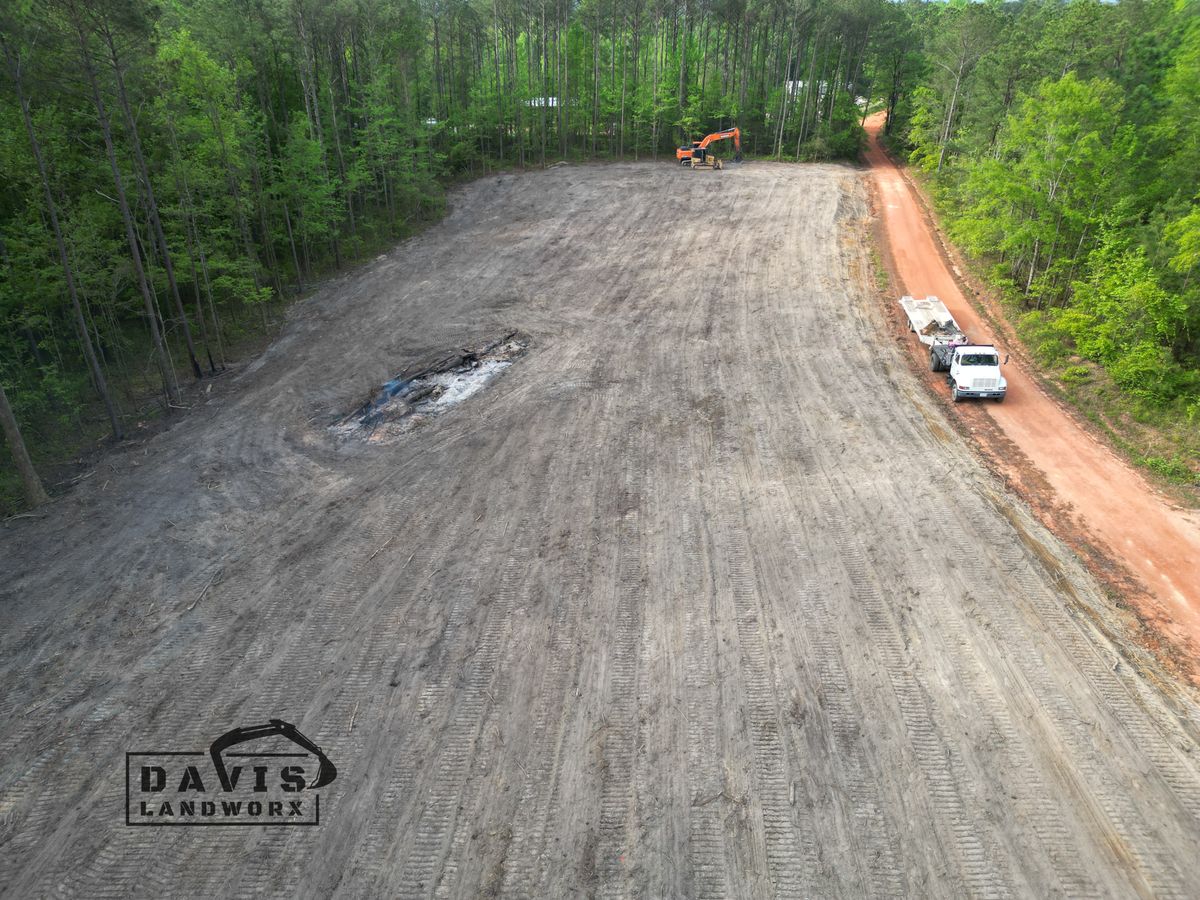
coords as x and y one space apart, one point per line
702 597
1090 489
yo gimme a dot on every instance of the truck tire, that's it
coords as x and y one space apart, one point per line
954 395
934 365
1000 399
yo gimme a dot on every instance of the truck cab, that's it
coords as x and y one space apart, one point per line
975 373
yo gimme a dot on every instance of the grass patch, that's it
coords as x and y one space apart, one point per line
1074 375
883 282
1175 470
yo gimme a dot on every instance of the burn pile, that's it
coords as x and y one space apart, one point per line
410 399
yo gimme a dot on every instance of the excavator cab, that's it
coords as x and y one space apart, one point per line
685 153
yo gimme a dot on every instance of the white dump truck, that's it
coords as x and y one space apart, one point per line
972 370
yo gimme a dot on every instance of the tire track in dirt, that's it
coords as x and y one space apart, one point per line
621 722
1147 735
436 836
182 726
706 783
434 867
532 825
360 667
1125 832
960 655
433 826
876 846
528 860
791 851
1047 615
983 871
1007 749
1135 837
797 608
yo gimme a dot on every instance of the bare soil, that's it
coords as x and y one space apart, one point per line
703 596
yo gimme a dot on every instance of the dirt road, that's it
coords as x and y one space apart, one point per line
701 597
1110 502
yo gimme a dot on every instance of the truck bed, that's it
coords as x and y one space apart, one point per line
931 321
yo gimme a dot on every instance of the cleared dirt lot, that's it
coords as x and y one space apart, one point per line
703 597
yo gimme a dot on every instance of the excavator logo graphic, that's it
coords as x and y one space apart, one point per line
268 774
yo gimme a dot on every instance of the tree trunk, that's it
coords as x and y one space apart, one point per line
949 118
783 102
595 79
543 87
337 150
621 132
151 202
35 494
287 220
683 61
160 351
89 351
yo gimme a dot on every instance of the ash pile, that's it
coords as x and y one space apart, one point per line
411 399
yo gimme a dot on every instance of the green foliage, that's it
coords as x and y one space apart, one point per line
1122 318
1174 469
1184 237
1121 304
1076 374
1036 196
925 128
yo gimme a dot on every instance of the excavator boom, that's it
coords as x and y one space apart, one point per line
722 135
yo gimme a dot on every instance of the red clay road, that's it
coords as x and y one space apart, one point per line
1158 543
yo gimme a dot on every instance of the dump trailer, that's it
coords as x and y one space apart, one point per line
972 370
935 328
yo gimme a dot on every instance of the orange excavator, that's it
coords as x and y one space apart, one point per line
698 156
